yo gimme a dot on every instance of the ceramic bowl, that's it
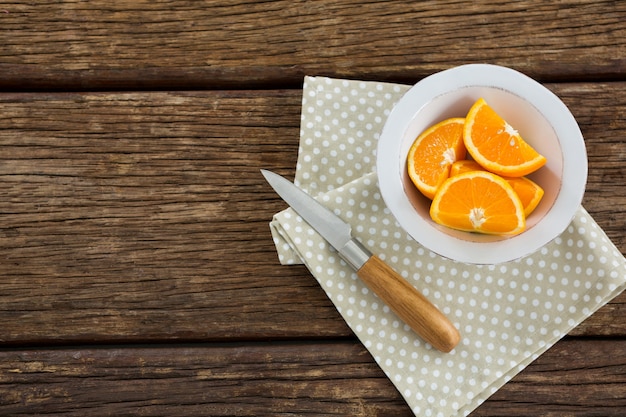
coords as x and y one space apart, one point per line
543 121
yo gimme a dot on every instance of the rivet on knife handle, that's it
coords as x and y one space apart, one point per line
401 297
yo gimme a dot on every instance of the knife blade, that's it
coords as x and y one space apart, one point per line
404 299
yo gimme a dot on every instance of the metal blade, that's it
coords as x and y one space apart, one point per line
328 224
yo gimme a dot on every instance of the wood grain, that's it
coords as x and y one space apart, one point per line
137 271
575 377
143 216
217 44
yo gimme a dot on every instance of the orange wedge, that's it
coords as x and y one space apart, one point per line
529 193
478 201
496 145
464 165
432 154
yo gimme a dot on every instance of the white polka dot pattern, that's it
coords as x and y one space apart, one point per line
507 314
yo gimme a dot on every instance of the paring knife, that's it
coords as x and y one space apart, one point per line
401 297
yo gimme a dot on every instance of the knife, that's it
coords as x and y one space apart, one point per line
402 298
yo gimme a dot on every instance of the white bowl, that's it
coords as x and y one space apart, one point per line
542 120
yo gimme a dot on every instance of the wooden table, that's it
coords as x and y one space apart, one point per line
137 271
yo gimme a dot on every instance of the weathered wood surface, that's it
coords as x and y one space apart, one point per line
137 272
143 215
335 378
207 44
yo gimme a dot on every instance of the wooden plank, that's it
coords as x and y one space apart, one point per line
572 378
575 377
142 216
137 216
190 44
605 151
272 379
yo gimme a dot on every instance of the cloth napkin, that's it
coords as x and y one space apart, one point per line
508 314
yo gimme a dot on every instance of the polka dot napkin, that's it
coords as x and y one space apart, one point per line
508 314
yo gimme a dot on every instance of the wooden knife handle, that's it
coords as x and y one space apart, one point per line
409 304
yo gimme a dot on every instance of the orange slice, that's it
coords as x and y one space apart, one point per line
464 165
529 193
478 201
496 145
432 154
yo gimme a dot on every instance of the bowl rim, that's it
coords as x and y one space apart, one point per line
425 232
